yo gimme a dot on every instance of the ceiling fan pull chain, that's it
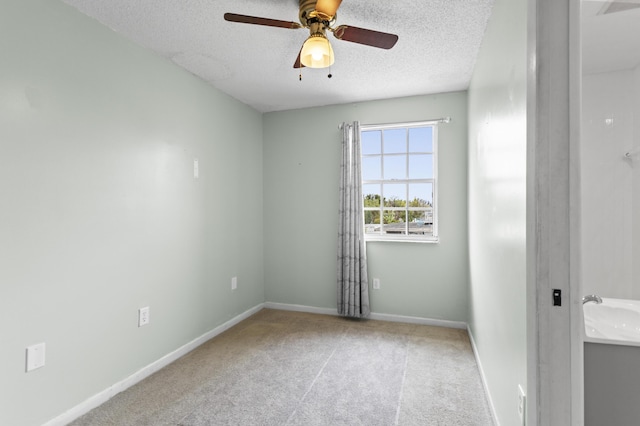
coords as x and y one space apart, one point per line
330 75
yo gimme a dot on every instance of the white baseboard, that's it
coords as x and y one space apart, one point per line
300 308
492 407
373 316
102 397
418 320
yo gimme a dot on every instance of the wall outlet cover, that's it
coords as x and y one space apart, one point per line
522 405
35 356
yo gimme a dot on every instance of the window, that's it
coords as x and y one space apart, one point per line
399 172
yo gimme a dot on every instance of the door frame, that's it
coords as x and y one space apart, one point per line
554 333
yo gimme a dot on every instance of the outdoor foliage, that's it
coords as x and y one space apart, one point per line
395 216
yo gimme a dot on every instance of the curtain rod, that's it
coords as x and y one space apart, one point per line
444 120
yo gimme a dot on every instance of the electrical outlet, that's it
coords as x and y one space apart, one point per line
143 316
376 283
522 405
234 283
35 356
196 169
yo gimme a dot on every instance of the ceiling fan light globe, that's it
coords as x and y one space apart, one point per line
317 52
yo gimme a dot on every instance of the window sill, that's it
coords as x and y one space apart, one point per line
435 240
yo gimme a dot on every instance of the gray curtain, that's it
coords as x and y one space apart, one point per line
353 283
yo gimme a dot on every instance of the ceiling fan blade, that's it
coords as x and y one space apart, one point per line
244 19
364 36
328 7
297 63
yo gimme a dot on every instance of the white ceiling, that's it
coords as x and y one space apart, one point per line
610 41
436 51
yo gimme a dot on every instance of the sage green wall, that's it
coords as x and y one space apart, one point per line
301 167
100 213
497 206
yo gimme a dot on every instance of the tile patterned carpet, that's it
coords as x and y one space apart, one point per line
291 368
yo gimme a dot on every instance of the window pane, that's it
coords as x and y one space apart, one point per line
371 195
395 141
420 195
371 142
395 167
394 222
421 139
421 166
417 216
371 168
395 195
422 217
419 225
371 221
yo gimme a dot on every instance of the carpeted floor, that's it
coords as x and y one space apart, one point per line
291 368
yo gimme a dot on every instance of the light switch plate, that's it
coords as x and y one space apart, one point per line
143 316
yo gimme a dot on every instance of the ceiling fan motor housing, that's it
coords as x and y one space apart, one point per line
309 15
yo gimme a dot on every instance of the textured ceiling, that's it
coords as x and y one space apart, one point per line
436 51
610 41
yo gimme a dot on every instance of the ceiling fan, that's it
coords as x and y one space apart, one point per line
318 16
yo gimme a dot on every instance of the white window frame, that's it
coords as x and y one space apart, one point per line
433 238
